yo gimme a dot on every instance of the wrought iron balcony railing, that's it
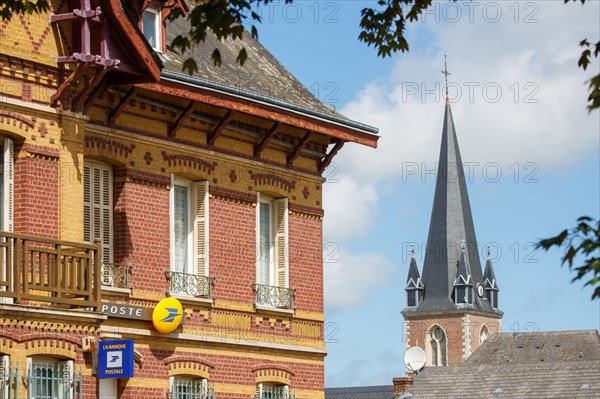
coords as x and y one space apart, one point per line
277 297
192 389
116 276
275 393
190 284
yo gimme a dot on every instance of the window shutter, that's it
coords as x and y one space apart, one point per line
9 182
97 207
281 241
87 204
201 243
4 376
65 376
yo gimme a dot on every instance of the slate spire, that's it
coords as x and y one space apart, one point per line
451 224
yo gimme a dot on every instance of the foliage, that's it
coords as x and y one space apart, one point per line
10 7
583 239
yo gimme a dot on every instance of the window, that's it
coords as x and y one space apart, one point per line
483 334
272 240
190 388
151 27
189 227
49 378
267 390
7 154
98 207
436 347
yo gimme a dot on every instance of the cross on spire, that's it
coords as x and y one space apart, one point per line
446 73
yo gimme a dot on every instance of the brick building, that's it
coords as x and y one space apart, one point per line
126 181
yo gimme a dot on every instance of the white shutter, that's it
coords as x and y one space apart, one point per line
65 379
201 242
281 241
257 231
8 185
87 203
5 377
98 207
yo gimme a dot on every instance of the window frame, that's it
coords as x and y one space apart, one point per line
188 267
188 395
197 240
277 237
57 391
157 27
441 347
264 199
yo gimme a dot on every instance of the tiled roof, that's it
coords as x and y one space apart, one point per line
262 73
372 392
527 365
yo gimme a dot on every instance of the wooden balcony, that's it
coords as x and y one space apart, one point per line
57 273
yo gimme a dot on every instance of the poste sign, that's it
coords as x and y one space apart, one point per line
167 315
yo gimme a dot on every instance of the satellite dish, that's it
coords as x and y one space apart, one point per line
414 359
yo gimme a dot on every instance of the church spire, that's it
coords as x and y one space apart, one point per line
451 224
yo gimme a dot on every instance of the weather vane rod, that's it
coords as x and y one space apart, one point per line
445 72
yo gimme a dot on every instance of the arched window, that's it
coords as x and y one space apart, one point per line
267 390
436 347
187 387
48 378
483 334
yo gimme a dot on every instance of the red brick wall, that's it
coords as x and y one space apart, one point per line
141 232
36 197
453 326
226 370
232 248
306 262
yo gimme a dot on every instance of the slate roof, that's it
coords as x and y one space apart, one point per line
261 77
489 274
542 365
451 224
372 392
413 274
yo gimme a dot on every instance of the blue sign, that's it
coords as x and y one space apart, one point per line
115 359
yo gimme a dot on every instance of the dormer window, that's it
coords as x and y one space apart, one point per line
152 27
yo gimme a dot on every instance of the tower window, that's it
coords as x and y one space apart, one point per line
483 334
436 347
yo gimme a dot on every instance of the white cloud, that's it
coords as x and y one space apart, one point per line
349 206
518 95
351 278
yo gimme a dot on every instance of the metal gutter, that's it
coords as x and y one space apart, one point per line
201 83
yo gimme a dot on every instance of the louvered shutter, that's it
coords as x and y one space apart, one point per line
8 185
201 243
4 377
87 203
281 241
97 207
65 378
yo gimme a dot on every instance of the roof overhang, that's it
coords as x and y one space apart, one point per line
193 88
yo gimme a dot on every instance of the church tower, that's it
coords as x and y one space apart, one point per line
453 306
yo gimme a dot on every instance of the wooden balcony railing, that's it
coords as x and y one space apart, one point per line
50 271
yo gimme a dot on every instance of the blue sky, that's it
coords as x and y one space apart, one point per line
518 101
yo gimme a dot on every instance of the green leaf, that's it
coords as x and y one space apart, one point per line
190 66
216 57
242 56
